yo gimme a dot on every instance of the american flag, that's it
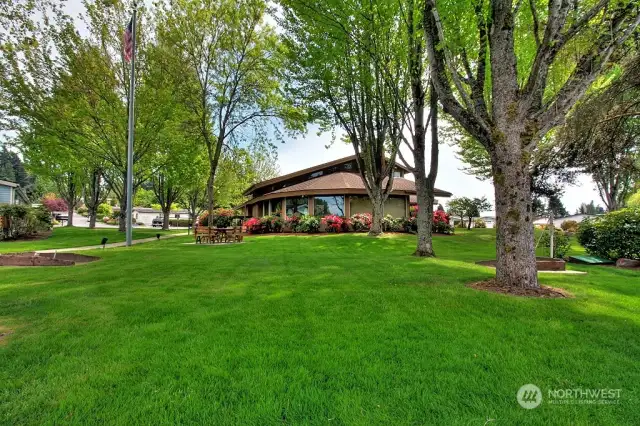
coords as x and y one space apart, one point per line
128 41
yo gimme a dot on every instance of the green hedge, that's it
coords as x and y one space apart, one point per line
180 222
614 235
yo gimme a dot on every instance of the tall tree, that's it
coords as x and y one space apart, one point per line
508 95
95 193
231 64
415 124
343 54
602 136
74 88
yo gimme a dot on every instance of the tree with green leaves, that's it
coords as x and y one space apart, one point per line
468 207
508 95
230 64
74 89
602 136
590 208
412 52
343 56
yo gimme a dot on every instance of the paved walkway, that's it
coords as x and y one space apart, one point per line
111 245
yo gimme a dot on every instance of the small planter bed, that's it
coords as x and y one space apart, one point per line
44 259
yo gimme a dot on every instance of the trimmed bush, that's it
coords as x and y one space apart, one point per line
561 243
613 235
569 226
82 210
271 224
479 223
179 222
391 224
20 221
361 222
104 209
308 225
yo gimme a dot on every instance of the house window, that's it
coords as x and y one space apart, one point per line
297 205
316 174
333 204
397 174
276 207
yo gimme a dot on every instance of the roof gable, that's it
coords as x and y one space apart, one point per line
309 171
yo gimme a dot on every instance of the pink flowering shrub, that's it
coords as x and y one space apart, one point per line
253 225
333 223
361 222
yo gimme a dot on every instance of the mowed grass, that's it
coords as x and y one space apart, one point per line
336 330
67 237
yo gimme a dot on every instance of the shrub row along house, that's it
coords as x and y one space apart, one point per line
333 188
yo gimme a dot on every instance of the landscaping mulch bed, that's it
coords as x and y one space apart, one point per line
44 259
543 292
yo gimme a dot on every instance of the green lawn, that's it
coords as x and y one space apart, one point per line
76 237
326 330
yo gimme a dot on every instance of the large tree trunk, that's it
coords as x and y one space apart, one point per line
70 212
469 223
424 218
425 184
95 196
92 220
377 212
165 217
516 258
122 215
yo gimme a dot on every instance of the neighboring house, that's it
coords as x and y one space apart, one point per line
11 193
557 221
146 215
330 188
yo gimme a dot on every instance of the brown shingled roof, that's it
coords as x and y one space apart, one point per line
341 183
308 170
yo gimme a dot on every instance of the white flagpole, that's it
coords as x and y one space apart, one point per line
132 93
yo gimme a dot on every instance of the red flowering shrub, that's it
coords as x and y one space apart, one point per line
441 223
55 204
333 223
361 222
254 225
